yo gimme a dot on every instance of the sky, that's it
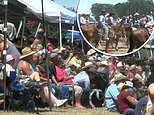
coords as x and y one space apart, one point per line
85 5
68 3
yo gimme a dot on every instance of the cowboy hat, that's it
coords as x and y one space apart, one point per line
132 67
90 52
118 77
1 37
88 64
102 63
26 52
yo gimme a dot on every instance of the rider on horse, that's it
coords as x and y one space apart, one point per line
83 19
110 19
102 24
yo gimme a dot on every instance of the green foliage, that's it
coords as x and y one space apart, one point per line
124 9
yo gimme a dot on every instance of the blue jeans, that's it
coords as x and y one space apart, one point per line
106 31
60 93
129 112
82 79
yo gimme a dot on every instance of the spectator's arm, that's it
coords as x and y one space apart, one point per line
68 59
132 100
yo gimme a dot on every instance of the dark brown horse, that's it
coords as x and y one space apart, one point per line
137 38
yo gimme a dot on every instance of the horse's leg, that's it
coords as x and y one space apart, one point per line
116 43
131 43
107 47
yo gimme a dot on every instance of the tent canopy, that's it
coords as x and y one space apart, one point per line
52 11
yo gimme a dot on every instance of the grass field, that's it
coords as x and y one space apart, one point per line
65 111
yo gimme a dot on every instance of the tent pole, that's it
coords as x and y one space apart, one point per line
23 30
46 54
37 29
60 33
5 3
72 35
20 25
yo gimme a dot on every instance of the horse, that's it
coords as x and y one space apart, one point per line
137 38
94 34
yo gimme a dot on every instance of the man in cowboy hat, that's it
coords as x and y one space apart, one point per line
102 24
83 19
112 92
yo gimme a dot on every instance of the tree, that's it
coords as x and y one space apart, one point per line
124 9
96 9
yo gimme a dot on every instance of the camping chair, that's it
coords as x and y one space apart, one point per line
21 95
71 90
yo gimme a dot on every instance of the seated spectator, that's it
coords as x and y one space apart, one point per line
140 108
132 72
59 90
138 89
150 106
61 76
76 60
140 73
126 102
121 68
112 92
92 55
34 44
24 70
112 66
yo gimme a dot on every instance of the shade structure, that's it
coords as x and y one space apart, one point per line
52 11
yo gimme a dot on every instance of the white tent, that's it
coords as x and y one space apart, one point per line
54 13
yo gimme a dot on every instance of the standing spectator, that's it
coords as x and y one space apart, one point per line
11 49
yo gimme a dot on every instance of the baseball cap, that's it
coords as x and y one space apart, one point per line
10 57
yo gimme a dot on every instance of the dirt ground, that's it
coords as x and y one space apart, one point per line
65 111
122 47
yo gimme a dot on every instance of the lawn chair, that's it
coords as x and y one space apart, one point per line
21 95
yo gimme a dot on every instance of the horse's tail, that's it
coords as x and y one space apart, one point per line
131 42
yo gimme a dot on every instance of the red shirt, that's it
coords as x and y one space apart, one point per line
123 103
60 74
111 66
131 75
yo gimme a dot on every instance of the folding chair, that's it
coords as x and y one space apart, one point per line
23 96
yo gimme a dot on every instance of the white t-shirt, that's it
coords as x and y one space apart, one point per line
102 19
9 68
83 20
